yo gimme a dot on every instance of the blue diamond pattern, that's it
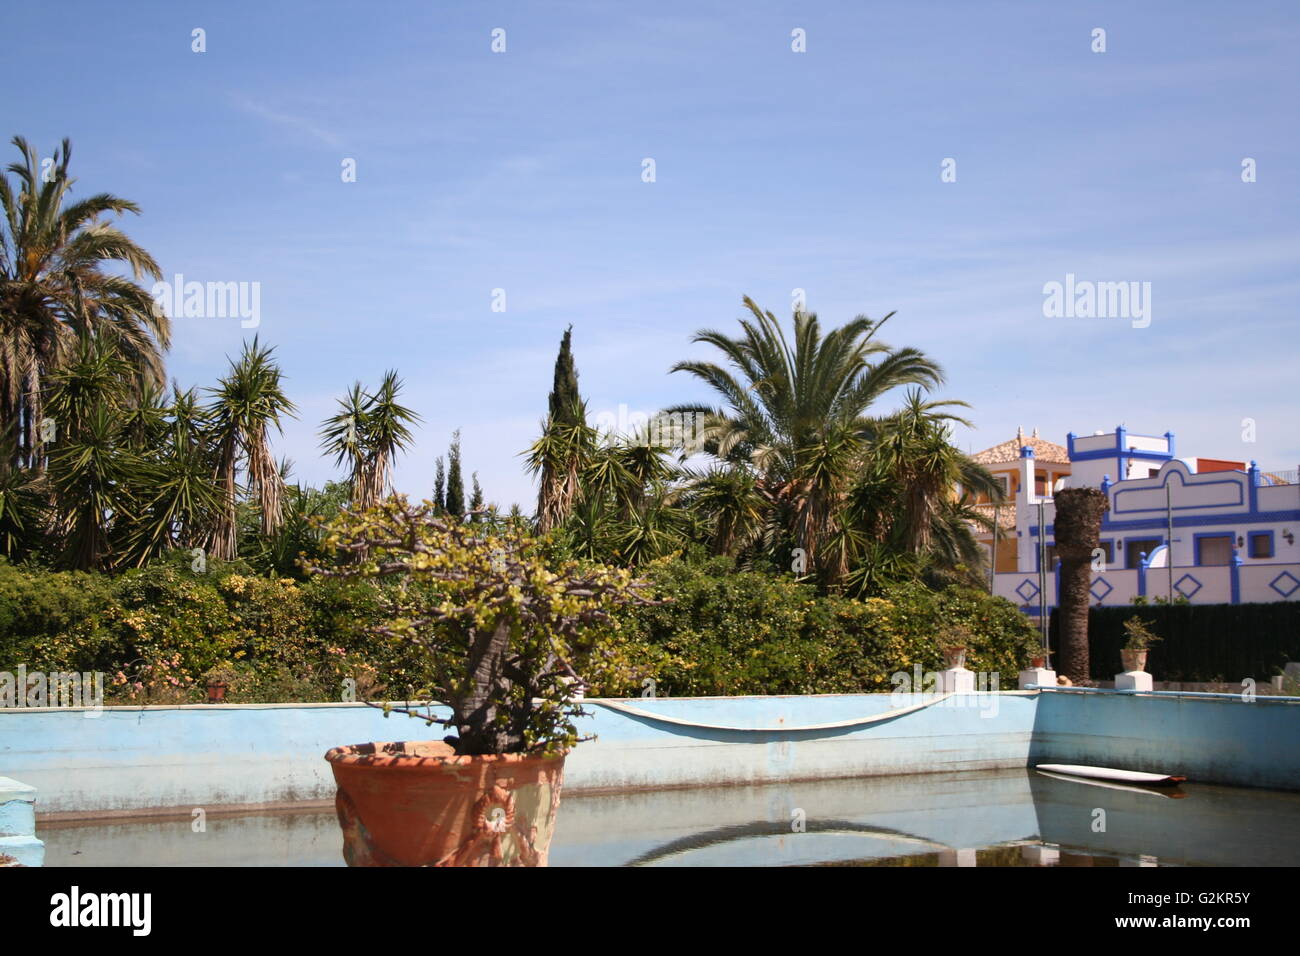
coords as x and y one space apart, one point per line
1033 590
1100 583
1291 584
1179 587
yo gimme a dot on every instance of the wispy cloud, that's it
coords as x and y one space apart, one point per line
288 121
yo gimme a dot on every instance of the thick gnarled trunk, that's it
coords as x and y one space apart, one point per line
478 712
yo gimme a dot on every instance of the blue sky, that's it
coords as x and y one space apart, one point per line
775 170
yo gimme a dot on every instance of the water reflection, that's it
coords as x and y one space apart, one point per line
1005 818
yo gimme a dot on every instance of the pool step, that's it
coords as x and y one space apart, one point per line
18 840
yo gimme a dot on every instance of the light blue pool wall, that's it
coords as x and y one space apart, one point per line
1209 740
136 758
128 759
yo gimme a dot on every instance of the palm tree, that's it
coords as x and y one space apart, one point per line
178 499
88 469
343 434
89 475
654 529
797 412
387 432
245 405
301 533
560 456
913 450
21 506
367 433
731 497
56 284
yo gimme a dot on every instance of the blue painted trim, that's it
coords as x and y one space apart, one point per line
1295 585
1196 547
1120 451
1192 521
1032 597
1112 453
1252 476
1199 484
1142 575
1188 576
1250 544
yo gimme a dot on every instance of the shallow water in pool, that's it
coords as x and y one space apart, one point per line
1002 818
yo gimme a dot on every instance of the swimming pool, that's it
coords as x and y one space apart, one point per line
977 818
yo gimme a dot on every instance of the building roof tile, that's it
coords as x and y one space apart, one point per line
1009 451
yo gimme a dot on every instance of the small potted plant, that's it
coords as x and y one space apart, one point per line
953 643
505 635
1140 639
218 680
1038 657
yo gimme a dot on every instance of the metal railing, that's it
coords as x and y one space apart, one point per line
1286 476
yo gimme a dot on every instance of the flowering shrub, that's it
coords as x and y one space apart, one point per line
158 681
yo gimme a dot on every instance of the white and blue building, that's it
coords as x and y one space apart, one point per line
1207 530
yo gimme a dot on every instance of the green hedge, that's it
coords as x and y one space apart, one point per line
1199 642
156 631
724 632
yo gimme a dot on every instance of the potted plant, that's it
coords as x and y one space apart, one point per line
218 680
953 643
1140 639
1038 657
506 638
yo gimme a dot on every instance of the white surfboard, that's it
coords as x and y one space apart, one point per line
1105 773
1162 791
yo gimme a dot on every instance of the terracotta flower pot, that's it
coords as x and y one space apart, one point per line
1038 662
217 692
416 803
1133 660
954 657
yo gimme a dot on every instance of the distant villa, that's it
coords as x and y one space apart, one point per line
1208 530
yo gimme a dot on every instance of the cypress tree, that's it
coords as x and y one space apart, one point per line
565 402
559 455
455 484
476 497
440 485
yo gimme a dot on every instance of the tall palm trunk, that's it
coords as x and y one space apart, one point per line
1078 532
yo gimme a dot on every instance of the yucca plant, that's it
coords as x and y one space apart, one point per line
21 508
366 435
563 452
246 405
179 499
